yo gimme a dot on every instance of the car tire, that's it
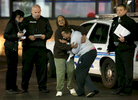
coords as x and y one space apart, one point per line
109 73
51 69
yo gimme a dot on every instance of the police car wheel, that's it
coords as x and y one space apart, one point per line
109 74
51 71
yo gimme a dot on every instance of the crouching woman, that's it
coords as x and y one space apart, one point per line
87 54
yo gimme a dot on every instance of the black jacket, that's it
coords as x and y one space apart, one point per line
10 35
129 24
11 31
40 26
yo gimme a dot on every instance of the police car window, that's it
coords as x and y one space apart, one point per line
99 33
88 26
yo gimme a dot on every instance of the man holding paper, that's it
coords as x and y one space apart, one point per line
122 42
38 30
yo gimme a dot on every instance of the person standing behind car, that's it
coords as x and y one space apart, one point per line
12 35
61 55
35 49
124 48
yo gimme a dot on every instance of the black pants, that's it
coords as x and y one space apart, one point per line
81 72
124 66
38 57
11 74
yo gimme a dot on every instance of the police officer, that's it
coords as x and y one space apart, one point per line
11 35
124 48
38 30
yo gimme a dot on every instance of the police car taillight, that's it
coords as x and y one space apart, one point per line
137 56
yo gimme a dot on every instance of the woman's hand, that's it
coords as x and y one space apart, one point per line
83 39
74 45
19 34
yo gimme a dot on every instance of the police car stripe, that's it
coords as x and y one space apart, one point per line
97 58
100 53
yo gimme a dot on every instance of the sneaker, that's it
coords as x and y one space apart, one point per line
11 91
19 91
72 92
59 94
92 94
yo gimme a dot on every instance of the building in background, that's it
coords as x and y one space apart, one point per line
4 8
71 9
68 8
53 8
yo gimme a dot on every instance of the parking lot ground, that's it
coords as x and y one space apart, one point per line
33 93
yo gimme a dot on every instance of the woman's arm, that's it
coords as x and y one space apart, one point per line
76 38
62 46
9 33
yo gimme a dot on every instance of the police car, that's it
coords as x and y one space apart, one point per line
104 64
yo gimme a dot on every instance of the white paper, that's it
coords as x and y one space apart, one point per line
70 55
37 35
121 30
23 37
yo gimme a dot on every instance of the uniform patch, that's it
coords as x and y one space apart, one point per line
32 21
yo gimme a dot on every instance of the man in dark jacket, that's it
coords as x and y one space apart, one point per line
124 48
38 30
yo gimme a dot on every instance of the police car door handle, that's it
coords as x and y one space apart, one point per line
99 48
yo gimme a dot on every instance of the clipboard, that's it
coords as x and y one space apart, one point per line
37 35
121 30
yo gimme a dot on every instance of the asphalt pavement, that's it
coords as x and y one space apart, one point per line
33 93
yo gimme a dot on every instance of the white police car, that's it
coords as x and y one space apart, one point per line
104 64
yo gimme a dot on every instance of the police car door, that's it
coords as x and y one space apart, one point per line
98 36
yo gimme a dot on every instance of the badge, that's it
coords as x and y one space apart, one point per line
32 21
